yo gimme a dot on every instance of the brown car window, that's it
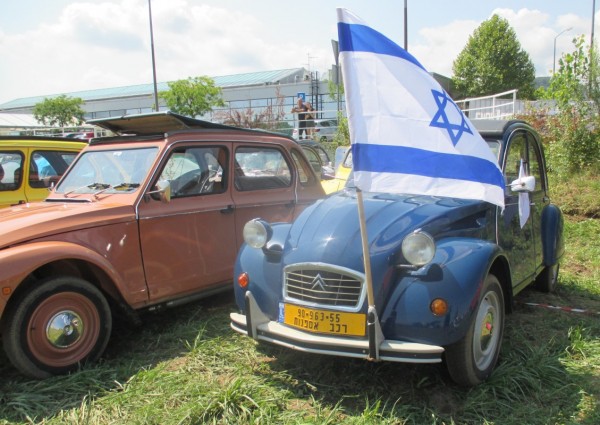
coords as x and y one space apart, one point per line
261 168
195 171
11 165
304 174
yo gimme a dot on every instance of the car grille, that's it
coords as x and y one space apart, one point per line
326 286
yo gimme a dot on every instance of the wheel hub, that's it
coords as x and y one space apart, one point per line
64 329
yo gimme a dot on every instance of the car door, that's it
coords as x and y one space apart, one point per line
517 240
12 162
189 244
539 197
263 185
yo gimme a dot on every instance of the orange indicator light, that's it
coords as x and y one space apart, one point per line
439 307
243 280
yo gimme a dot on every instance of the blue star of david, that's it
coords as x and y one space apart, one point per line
440 119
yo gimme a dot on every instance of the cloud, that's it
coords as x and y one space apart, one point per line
98 45
441 45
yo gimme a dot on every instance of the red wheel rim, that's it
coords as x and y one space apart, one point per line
63 329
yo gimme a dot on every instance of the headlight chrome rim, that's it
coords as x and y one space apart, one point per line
257 233
418 248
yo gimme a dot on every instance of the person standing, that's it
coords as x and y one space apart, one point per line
301 109
310 120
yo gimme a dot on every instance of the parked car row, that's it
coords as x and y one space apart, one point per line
172 208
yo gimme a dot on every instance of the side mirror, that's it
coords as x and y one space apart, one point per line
163 190
523 184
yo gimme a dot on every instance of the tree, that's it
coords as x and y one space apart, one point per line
493 62
193 97
60 111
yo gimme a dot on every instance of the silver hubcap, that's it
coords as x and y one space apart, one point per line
64 329
486 336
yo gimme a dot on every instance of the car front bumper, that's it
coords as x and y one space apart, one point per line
374 347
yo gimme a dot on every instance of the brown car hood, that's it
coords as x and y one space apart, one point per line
41 219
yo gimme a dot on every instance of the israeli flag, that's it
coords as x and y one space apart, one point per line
407 134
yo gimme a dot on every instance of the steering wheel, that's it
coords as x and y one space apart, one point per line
205 185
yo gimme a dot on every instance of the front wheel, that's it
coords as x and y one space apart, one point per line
57 326
471 360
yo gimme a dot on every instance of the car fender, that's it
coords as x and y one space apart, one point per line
456 274
25 259
553 245
264 269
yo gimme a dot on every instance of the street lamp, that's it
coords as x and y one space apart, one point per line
554 57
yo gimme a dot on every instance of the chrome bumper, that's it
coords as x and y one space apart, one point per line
257 325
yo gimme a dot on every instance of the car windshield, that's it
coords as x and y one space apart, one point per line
111 171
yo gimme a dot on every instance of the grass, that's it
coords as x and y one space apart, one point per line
186 366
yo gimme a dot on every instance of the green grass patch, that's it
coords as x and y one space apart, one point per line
186 366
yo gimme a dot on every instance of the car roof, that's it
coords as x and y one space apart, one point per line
42 141
161 123
494 128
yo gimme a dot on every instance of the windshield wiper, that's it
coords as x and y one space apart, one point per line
102 186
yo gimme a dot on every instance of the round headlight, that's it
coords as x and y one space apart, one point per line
418 248
257 233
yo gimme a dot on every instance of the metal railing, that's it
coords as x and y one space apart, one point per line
497 106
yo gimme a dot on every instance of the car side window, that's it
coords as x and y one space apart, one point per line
517 151
313 159
261 168
304 175
47 167
535 166
196 171
11 165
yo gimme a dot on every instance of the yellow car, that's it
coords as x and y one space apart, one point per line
342 171
31 165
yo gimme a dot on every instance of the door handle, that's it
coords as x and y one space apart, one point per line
228 210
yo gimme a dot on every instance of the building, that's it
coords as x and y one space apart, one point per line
249 93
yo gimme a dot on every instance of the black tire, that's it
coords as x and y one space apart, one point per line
57 326
547 280
472 360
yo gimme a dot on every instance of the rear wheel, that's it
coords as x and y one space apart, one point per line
548 278
60 324
471 360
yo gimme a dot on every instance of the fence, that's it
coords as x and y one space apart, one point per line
498 106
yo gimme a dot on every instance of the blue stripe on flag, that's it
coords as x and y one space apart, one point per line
360 38
405 160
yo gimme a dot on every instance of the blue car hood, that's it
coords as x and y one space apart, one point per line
329 231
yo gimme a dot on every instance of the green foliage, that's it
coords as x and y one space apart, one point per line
576 84
192 97
493 62
572 136
60 111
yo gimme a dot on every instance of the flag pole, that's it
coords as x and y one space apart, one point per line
374 332
365 248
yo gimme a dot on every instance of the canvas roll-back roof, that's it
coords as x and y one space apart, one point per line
156 123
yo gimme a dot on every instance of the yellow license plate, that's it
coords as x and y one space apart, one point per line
323 321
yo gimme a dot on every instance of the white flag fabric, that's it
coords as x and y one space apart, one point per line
407 134
524 207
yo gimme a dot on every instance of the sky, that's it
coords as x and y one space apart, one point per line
50 47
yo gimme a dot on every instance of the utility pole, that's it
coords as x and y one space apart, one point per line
153 60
